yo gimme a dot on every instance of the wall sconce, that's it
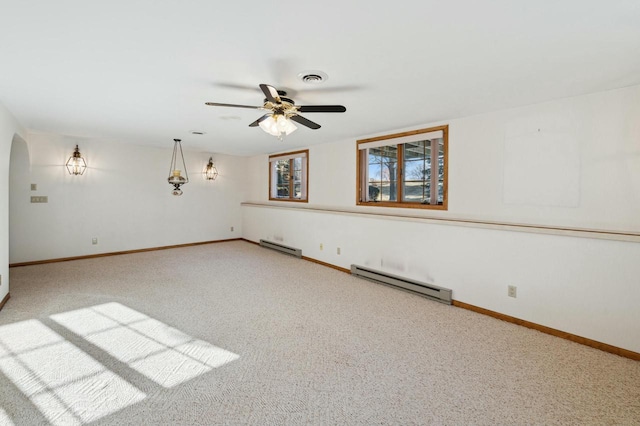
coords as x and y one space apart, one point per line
175 178
210 171
76 164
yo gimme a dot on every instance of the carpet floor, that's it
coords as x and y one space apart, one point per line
234 334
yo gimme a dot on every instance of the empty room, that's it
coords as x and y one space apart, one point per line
409 213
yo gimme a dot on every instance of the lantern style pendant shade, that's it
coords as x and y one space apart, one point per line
177 166
210 171
76 164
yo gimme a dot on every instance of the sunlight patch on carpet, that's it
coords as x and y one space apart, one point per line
161 353
67 385
5 419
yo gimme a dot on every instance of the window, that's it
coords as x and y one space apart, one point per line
288 176
404 169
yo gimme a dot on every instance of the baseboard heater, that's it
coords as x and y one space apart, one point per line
282 248
439 294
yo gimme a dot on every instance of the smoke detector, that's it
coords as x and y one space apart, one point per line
313 77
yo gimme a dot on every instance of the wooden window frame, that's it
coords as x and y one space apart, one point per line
291 156
361 177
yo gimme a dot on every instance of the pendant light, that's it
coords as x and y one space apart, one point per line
175 177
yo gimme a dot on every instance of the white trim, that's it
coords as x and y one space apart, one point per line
599 234
288 156
438 134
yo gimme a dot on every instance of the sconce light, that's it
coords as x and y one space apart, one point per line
76 164
175 178
210 171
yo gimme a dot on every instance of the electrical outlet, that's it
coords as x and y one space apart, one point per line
232 229
338 250
512 291
34 186
321 246
40 199
94 241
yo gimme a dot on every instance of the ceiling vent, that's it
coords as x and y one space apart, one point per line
313 77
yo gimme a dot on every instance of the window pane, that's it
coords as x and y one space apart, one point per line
375 177
416 192
414 150
440 145
390 190
283 165
389 181
282 168
375 172
415 181
416 172
382 181
386 157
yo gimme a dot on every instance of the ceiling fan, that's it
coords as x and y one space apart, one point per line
282 111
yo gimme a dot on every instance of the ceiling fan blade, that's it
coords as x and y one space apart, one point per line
310 124
232 105
257 122
270 93
321 108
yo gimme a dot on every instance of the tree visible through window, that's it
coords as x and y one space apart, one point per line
288 175
404 169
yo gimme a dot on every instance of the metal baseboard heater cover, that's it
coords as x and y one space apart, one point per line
282 248
439 294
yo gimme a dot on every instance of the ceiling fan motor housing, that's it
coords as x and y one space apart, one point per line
282 95
280 106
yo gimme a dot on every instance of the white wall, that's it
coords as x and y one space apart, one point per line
123 199
584 173
9 129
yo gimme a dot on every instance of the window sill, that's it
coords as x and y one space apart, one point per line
403 205
289 200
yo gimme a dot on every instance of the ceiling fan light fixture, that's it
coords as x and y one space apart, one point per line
278 125
285 125
268 125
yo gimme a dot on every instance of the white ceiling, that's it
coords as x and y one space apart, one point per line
140 71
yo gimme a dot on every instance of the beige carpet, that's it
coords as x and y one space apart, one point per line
235 334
